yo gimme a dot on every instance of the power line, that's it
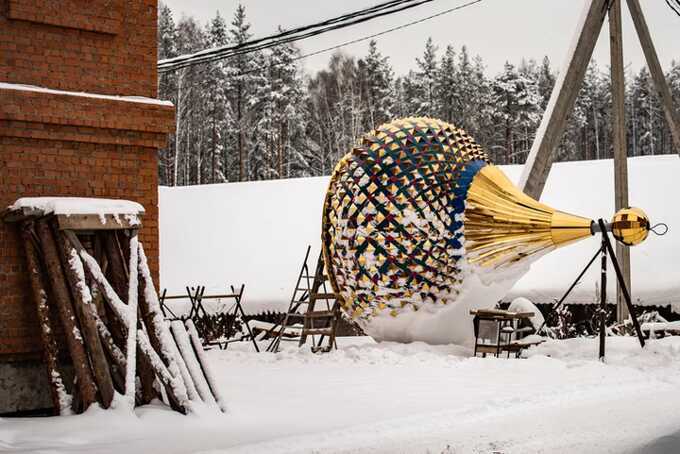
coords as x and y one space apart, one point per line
674 5
354 41
213 51
296 34
364 38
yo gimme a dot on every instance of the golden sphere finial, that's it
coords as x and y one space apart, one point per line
630 226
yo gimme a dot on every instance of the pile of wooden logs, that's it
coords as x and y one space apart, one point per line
91 285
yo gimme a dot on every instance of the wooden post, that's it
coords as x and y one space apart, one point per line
118 268
174 386
144 368
115 355
619 144
84 307
656 71
202 361
562 100
74 340
38 289
156 326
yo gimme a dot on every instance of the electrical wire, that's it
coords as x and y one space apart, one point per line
674 5
296 34
364 38
354 41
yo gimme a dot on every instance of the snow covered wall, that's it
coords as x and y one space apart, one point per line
257 233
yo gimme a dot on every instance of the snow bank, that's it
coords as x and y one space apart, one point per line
257 233
397 398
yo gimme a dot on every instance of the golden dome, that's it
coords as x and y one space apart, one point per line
630 226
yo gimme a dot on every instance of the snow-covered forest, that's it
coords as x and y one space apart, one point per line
259 116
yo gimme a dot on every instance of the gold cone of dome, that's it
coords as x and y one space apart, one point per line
503 225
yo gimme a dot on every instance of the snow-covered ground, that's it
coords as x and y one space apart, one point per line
400 398
246 231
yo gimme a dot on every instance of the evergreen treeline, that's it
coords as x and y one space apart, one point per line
257 116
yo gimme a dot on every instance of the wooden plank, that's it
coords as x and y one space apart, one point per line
323 296
189 366
664 92
319 314
562 101
202 361
40 297
174 388
74 340
317 331
619 143
97 222
84 307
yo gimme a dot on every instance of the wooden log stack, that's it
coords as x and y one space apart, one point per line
94 276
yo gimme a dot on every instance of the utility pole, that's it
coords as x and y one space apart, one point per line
619 144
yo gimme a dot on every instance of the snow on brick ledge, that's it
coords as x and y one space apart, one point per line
80 206
36 89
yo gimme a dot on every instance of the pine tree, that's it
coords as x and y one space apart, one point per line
280 119
647 121
244 78
188 100
546 81
673 78
218 107
424 101
446 87
166 33
167 82
516 96
377 84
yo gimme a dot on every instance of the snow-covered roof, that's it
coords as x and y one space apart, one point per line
257 233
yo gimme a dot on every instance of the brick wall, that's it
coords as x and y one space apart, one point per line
98 46
55 141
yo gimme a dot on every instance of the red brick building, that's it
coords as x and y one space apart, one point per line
77 118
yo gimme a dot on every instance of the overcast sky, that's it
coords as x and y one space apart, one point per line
498 30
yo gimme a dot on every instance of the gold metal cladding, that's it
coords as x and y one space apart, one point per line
504 226
630 226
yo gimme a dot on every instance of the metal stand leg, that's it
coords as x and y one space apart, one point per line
603 298
622 283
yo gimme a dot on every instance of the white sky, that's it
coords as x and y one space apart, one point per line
498 30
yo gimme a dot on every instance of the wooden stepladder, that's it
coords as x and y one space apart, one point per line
309 289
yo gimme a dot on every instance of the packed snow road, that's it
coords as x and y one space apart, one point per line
390 398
